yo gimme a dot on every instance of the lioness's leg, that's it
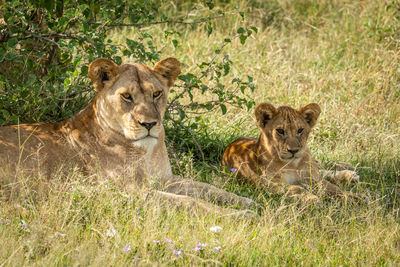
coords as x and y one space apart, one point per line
341 166
204 191
186 202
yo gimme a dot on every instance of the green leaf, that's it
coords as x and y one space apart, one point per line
48 4
84 70
209 3
182 114
223 108
243 39
118 60
175 43
203 88
6 114
12 42
209 29
7 15
240 30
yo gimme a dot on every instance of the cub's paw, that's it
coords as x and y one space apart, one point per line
347 176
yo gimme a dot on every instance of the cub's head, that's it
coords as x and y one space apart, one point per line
132 98
287 129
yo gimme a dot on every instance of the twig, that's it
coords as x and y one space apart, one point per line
51 41
43 36
140 25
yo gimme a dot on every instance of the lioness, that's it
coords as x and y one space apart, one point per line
119 133
280 154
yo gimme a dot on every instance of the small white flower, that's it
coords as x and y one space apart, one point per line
216 229
59 234
111 232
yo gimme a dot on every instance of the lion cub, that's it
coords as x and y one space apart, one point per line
281 156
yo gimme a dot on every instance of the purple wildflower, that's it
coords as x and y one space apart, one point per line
24 225
177 252
217 249
157 241
196 249
5 221
233 170
59 234
167 240
200 246
126 248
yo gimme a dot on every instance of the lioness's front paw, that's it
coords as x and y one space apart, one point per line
249 203
341 166
347 176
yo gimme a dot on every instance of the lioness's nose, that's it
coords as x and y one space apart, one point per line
148 125
293 151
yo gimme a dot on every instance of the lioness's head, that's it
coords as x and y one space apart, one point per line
287 129
132 98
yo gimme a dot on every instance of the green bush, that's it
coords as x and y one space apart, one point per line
46 46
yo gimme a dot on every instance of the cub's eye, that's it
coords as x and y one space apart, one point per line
300 131
157 94
127 97
280 131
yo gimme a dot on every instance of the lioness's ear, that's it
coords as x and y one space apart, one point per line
102 70
311 113
264 112
169 68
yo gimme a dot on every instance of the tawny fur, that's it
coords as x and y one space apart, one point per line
120 134
280 155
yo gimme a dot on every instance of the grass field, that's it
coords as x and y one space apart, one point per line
344 55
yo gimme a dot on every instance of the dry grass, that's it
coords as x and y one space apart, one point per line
343 55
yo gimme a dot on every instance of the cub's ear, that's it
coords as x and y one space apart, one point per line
169 68
264 112
311 113
102 70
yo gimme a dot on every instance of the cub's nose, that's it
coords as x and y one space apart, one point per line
293 151
148 125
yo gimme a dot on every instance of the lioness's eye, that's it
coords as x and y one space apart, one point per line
299 131
280 131
127 97
157 94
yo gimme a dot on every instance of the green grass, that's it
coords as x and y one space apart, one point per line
343 55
